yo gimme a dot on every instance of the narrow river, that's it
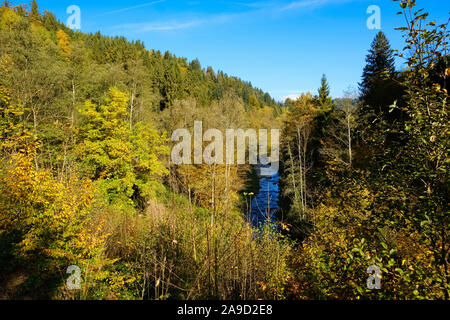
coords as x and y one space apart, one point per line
265 204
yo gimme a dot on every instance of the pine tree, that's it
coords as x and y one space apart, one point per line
323 122
380 59
325 100
378 88
326 108
34 10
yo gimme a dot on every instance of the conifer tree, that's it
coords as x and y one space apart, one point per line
34 10
378 88
6 4
325 100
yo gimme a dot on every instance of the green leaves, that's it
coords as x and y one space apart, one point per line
123 159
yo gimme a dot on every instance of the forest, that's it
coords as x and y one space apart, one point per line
87 182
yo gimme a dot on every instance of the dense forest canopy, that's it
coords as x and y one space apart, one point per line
86 177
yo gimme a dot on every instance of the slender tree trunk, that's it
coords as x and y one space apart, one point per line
33 109
226 189
131 110
213 194
73 104
349 135
305 170
300 147
291 158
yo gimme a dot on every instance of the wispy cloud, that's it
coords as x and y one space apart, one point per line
176 24
134 7
284 5
303 4
312 4
257 8
160 26
255 4
199 20
291 97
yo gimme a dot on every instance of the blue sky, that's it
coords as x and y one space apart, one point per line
282 47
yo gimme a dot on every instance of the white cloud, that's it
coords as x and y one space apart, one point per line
134 7
303 4
291 96
258 7
312 4
256 4
163 26
175 24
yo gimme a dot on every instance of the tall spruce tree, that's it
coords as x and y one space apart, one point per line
325 104
325 100
34 10
378 87
323 121
379 61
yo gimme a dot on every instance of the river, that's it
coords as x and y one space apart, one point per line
265 203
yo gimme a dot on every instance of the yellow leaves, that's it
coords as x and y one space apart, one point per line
263 286
253 102
436 87
447 72
131 280
8 19
5 61
115 151
118 101
183 70
52 215
285 227
64 43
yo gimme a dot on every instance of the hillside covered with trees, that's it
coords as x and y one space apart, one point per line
87 179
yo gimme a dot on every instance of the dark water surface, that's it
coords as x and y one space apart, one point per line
265 204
